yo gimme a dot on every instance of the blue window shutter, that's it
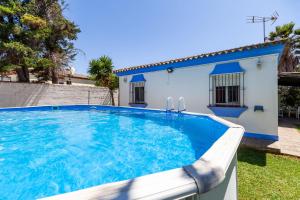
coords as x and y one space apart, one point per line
227 68
138 78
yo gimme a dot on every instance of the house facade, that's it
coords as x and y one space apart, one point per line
240 85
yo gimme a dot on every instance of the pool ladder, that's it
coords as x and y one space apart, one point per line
170 105
181 105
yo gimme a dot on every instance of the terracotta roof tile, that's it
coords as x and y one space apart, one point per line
238 49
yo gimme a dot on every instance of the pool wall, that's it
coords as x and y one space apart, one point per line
213 176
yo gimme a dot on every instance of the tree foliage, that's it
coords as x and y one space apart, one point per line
290 58
289 96
101 71
287 32
35 34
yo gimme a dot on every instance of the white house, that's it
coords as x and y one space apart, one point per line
239 84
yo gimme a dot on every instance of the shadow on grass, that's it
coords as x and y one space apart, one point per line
252 157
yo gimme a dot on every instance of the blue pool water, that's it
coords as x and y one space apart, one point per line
48 152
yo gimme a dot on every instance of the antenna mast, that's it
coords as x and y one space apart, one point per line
263 20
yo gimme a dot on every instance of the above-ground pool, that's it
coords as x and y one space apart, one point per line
46 151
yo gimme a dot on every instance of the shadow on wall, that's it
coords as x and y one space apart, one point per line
32 97
28 94
19 94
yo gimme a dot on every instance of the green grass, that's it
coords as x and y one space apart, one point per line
297 127
267 176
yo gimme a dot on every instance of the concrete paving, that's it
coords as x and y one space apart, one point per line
289 140
289 137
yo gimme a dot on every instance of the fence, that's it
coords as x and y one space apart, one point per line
14 94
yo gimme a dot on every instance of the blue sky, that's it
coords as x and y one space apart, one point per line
135 32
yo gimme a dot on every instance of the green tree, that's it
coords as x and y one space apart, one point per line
282 32
287 32
18 38
291 36
101 71
62 32
35 34
289 96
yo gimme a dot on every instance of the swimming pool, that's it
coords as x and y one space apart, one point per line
48 150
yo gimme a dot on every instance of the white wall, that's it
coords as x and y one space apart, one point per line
193 84
29 94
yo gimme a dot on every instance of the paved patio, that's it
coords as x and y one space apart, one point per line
289 139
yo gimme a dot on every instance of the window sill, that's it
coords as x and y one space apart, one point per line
138 105
234 112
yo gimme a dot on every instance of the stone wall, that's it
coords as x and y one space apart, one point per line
29 94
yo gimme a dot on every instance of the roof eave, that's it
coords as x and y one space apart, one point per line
233 54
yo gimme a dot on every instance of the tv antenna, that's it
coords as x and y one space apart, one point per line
258 19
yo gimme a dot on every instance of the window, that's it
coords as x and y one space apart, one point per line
233 94
227 90
137 93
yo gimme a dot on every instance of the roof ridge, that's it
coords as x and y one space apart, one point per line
214 53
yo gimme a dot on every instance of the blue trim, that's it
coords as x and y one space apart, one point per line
138 78
272 49
234 112
261 136
144 105
227 68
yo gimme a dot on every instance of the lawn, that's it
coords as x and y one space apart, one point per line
298 127
267 176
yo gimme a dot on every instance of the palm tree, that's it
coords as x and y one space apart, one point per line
286 31
290 55
101 71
